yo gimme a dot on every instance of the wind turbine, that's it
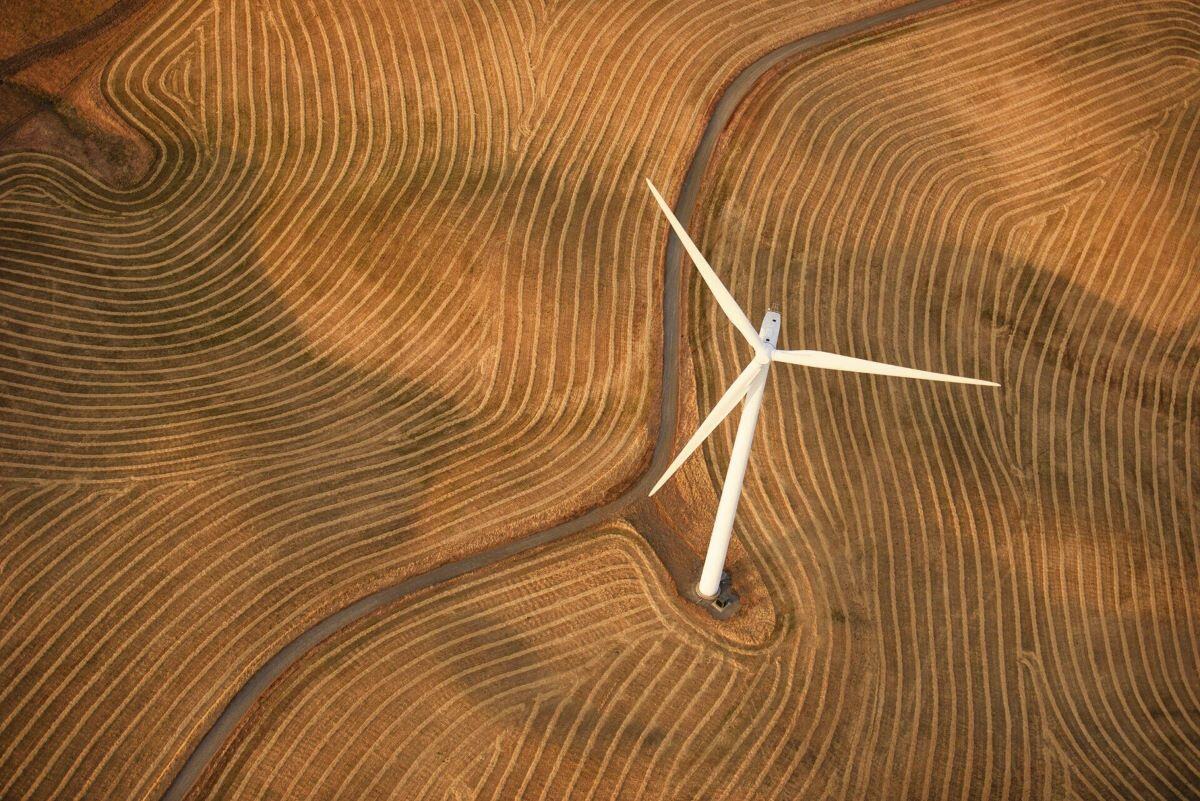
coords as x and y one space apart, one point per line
750 384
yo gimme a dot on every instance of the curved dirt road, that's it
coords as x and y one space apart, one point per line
722 110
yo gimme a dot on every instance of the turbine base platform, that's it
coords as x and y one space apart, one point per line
723 605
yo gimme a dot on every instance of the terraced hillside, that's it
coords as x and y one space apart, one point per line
977 594
387 296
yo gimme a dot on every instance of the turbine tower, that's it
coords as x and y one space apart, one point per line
750 385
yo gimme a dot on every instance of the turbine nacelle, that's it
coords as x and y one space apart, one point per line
768 332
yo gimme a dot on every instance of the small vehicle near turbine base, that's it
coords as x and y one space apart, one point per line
750 385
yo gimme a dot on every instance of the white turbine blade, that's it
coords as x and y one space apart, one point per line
724 406
732 310
832 361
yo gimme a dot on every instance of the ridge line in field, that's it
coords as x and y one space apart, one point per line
722 111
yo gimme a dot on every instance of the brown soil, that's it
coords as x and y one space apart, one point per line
551 677
387 295
26 26
51 100
979 594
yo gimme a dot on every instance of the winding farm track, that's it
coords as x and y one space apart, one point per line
722 110
67 39
980 595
